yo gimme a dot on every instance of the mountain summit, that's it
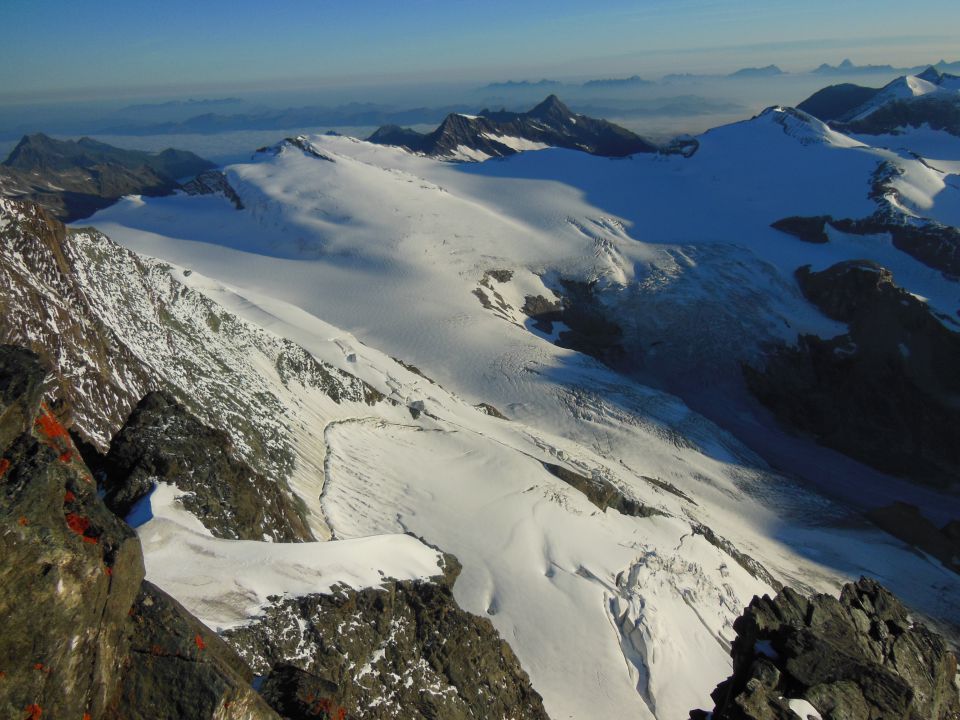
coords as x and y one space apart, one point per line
501 133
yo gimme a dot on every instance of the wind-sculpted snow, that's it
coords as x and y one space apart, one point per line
391 250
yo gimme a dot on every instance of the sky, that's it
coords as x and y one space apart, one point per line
64 48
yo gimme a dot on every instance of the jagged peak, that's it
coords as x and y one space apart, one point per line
552 106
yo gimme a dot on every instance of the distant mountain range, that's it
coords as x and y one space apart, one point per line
754 72
848 67
74 179
502 133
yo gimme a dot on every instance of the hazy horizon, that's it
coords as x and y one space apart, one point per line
135 50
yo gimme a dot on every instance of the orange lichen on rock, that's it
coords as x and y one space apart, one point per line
48 426
55 434
79 524
332 711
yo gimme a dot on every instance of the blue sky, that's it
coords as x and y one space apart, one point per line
50 47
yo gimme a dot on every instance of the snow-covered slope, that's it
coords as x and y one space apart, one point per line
927 84
394 248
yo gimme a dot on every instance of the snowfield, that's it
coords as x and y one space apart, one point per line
376 258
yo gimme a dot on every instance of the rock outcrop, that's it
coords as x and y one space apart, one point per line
885 392
178 668
79 622
213 182
861 657
163 442
405 650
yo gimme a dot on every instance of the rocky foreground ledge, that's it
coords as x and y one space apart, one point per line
85 637
861 657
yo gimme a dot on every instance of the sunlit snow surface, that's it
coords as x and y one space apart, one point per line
612 616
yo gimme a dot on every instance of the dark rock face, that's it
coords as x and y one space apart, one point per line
932 243
882 393
861 658
178 668
836 101
21 387
405 650
589 328
808 229
74 179
70 579
213 182
70 568
602 493
162 442
551 122
754 567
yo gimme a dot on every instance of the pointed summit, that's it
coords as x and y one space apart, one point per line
551 108
931 74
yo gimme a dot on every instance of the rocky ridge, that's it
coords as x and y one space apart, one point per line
84 635
74 179
862 657
502 133
404 650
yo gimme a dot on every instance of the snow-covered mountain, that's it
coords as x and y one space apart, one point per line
467 353
499 134
930 98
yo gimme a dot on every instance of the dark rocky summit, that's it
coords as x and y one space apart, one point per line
78 619
163 442
861 657
885 392
551 123
405 650
74 179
